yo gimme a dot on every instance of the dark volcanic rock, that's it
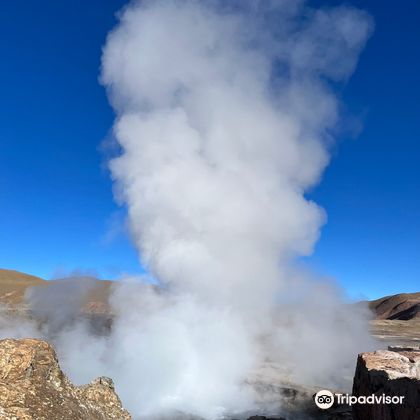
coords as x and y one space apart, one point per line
33 387
391 373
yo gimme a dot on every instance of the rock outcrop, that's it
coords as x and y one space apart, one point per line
32 386
391 373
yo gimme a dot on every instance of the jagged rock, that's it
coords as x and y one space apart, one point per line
33 387
393 373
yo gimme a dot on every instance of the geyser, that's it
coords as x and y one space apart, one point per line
224 115
223 118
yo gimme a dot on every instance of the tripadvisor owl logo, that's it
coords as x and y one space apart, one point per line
324 399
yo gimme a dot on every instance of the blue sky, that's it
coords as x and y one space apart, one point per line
57 212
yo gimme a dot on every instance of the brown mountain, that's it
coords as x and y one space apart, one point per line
14 285
404 306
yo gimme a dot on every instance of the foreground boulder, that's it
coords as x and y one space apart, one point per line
32 386
393 373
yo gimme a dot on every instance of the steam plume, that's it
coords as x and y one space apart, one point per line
224 116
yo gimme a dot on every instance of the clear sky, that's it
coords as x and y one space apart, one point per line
57 212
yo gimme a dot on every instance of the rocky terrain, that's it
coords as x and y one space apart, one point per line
393 373
32 386
402 333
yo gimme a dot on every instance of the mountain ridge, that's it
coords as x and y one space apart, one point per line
14 284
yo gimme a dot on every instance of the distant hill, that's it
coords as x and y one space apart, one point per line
11 276
14 284
403 306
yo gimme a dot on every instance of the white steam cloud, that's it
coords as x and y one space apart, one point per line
224 114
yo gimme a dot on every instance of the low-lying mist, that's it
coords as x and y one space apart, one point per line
225 113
